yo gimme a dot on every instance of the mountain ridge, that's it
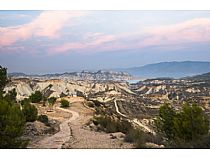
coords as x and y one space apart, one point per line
175 69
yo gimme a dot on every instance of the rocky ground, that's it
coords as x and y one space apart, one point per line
74 130
36 131
84 137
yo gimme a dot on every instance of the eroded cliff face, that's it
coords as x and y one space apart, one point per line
24 87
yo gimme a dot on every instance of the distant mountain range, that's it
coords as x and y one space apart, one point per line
158 70
169 69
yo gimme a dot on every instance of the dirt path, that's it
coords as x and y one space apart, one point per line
74 133
55 141
117 109
85 138
136 121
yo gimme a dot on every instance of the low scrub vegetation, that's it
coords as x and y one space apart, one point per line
36 97
136 136
44 119
51 101
30 112
64 103
111 125
25 101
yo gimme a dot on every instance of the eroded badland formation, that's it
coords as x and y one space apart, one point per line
74 127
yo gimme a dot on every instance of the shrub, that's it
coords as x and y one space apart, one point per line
30 112
124 126
3 78
64 103
134 135
44 119
185 128
25 101
110 125
106 124
90 104
12 122
51 100
36 97
11 95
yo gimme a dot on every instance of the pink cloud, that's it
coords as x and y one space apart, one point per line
47 24
89 42
67 46
196 30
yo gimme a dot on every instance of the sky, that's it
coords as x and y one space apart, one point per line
39 42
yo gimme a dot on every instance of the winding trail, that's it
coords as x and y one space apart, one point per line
55 141
117 109
135 120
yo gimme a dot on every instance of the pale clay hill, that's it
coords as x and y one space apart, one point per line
139 103
58 88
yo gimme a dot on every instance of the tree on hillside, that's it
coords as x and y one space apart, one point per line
12 123
25 101
191 124
185 128
30 112
36 97
12 120
11 95
165 121
3 80
51 101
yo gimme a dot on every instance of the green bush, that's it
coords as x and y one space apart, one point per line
11 95
25 101
30 112
110 125
51 100
12 122
36 97
64 103
165 122
3 78
106 124
185 128
135 136
44 119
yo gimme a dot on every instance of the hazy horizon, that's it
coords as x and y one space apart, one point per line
40 42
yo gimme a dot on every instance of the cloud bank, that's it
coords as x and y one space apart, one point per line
50 24
47 24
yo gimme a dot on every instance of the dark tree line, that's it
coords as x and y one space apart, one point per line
13 116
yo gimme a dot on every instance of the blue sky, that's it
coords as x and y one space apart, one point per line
60 41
